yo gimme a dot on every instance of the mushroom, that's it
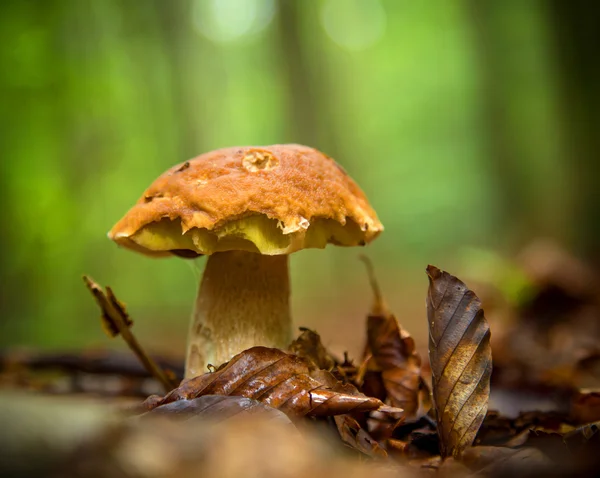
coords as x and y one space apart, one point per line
246 208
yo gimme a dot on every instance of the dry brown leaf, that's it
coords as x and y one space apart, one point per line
553 335
356 437
217 408
308 346
584 443
589 433
274 378
394 361
350 430
327 379
461 360
502 461
394 355
585 406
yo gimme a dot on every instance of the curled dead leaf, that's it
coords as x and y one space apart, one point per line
394 356
308 346
394 364
461 360
356 437
274 378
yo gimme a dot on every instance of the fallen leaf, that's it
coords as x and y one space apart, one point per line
501 461
347 372
549 421
584 443
217 408
526 428
350 430
550 443
394 355
553 336
274 378
584 435
394 360
413 441
327 379
461 360
585 406
308 346
357 438
496 430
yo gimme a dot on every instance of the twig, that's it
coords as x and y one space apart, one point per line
115 321
379 305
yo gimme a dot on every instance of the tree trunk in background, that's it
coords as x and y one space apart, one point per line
503 159
520 121
307 76
18 130
178 36
576 34
302 106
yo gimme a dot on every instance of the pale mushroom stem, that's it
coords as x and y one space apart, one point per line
243 301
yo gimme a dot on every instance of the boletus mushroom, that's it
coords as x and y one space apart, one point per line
246 208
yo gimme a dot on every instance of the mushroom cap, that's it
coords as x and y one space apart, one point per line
272 200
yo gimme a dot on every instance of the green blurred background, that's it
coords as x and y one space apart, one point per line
473 126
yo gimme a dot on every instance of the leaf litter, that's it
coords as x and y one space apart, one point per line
275 378
379 406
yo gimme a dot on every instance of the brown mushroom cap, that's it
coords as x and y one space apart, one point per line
273 200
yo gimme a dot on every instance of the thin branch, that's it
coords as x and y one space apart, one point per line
115 321
379 305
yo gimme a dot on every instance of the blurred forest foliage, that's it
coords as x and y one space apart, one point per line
471 126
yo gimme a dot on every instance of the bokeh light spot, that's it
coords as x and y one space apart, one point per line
227 21
354 25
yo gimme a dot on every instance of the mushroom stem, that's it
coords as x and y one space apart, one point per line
243 301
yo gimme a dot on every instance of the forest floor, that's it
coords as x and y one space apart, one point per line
303 411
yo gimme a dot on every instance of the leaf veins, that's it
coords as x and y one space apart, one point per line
273 378
461 360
